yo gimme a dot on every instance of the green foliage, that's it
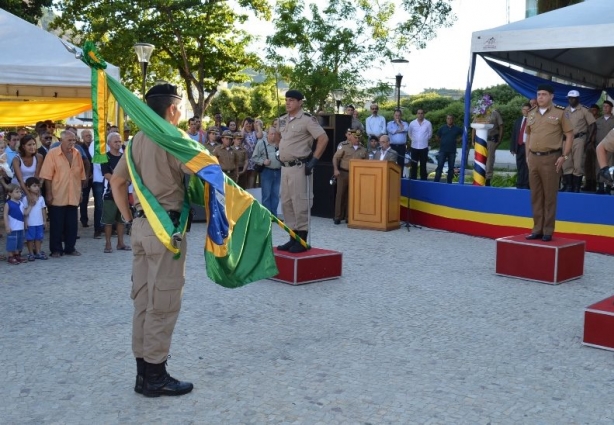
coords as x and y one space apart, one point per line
544 6
197 43
503 180
329 48
427 102
239 102
31 10
501 94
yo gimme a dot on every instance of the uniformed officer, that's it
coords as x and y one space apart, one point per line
352 149
545 128
583 124
157 277
605 149
225 155
213 136
298 130
604 125
241 155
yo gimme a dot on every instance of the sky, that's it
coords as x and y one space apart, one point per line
445 60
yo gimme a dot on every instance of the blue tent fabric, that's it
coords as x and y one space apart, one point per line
526 85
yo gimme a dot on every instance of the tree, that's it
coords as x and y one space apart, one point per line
197 42
330 48
30 10
239 102
544 6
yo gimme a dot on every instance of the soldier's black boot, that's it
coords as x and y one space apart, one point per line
140 375
487 182
287 245
577 183
600 188
567 183
158 382
297 247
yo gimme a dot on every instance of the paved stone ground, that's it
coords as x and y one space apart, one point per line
418 330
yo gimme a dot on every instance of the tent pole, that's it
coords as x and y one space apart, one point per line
466 121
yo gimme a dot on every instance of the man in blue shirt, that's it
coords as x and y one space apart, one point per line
397 132
448 136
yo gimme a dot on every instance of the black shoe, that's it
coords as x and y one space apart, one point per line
158 382
487 182
85 225
140 375
298 247
533 236
547 238
337 221
287 245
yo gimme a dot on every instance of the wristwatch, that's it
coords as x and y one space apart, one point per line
565 157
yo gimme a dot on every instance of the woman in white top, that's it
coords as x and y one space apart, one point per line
28 163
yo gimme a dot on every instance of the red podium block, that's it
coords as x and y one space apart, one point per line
554 262
313 265
599 325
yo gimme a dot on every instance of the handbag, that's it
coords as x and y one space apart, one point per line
259 167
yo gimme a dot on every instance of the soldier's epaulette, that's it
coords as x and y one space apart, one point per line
532 108
308 114
559 106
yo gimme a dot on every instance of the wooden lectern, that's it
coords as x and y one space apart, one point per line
375 194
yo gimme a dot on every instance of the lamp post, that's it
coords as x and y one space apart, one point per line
398 64
337 96
143 53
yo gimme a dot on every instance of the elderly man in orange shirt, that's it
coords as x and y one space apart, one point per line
64 175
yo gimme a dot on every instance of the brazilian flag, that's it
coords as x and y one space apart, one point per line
238 245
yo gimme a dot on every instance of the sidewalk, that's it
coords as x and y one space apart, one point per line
419 330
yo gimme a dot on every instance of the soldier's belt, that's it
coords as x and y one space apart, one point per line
295 162
342 169
546 152
577 136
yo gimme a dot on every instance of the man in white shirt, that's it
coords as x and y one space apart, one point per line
420 132
376 124
397 132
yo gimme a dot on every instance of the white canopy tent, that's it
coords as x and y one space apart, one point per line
38 76
574 43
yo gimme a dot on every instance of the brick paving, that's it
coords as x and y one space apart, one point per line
419 330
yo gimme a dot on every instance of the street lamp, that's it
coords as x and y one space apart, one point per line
143 53
337 96
398 64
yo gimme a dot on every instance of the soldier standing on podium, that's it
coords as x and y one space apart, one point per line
546 127
298 129
352 149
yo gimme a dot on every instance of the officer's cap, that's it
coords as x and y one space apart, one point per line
573 93
227 133
238 135
294 94
355 131
163 90
545 87
212 129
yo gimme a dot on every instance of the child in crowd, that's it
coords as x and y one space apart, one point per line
36 220
14 224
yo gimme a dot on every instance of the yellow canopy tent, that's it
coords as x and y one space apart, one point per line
39 78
